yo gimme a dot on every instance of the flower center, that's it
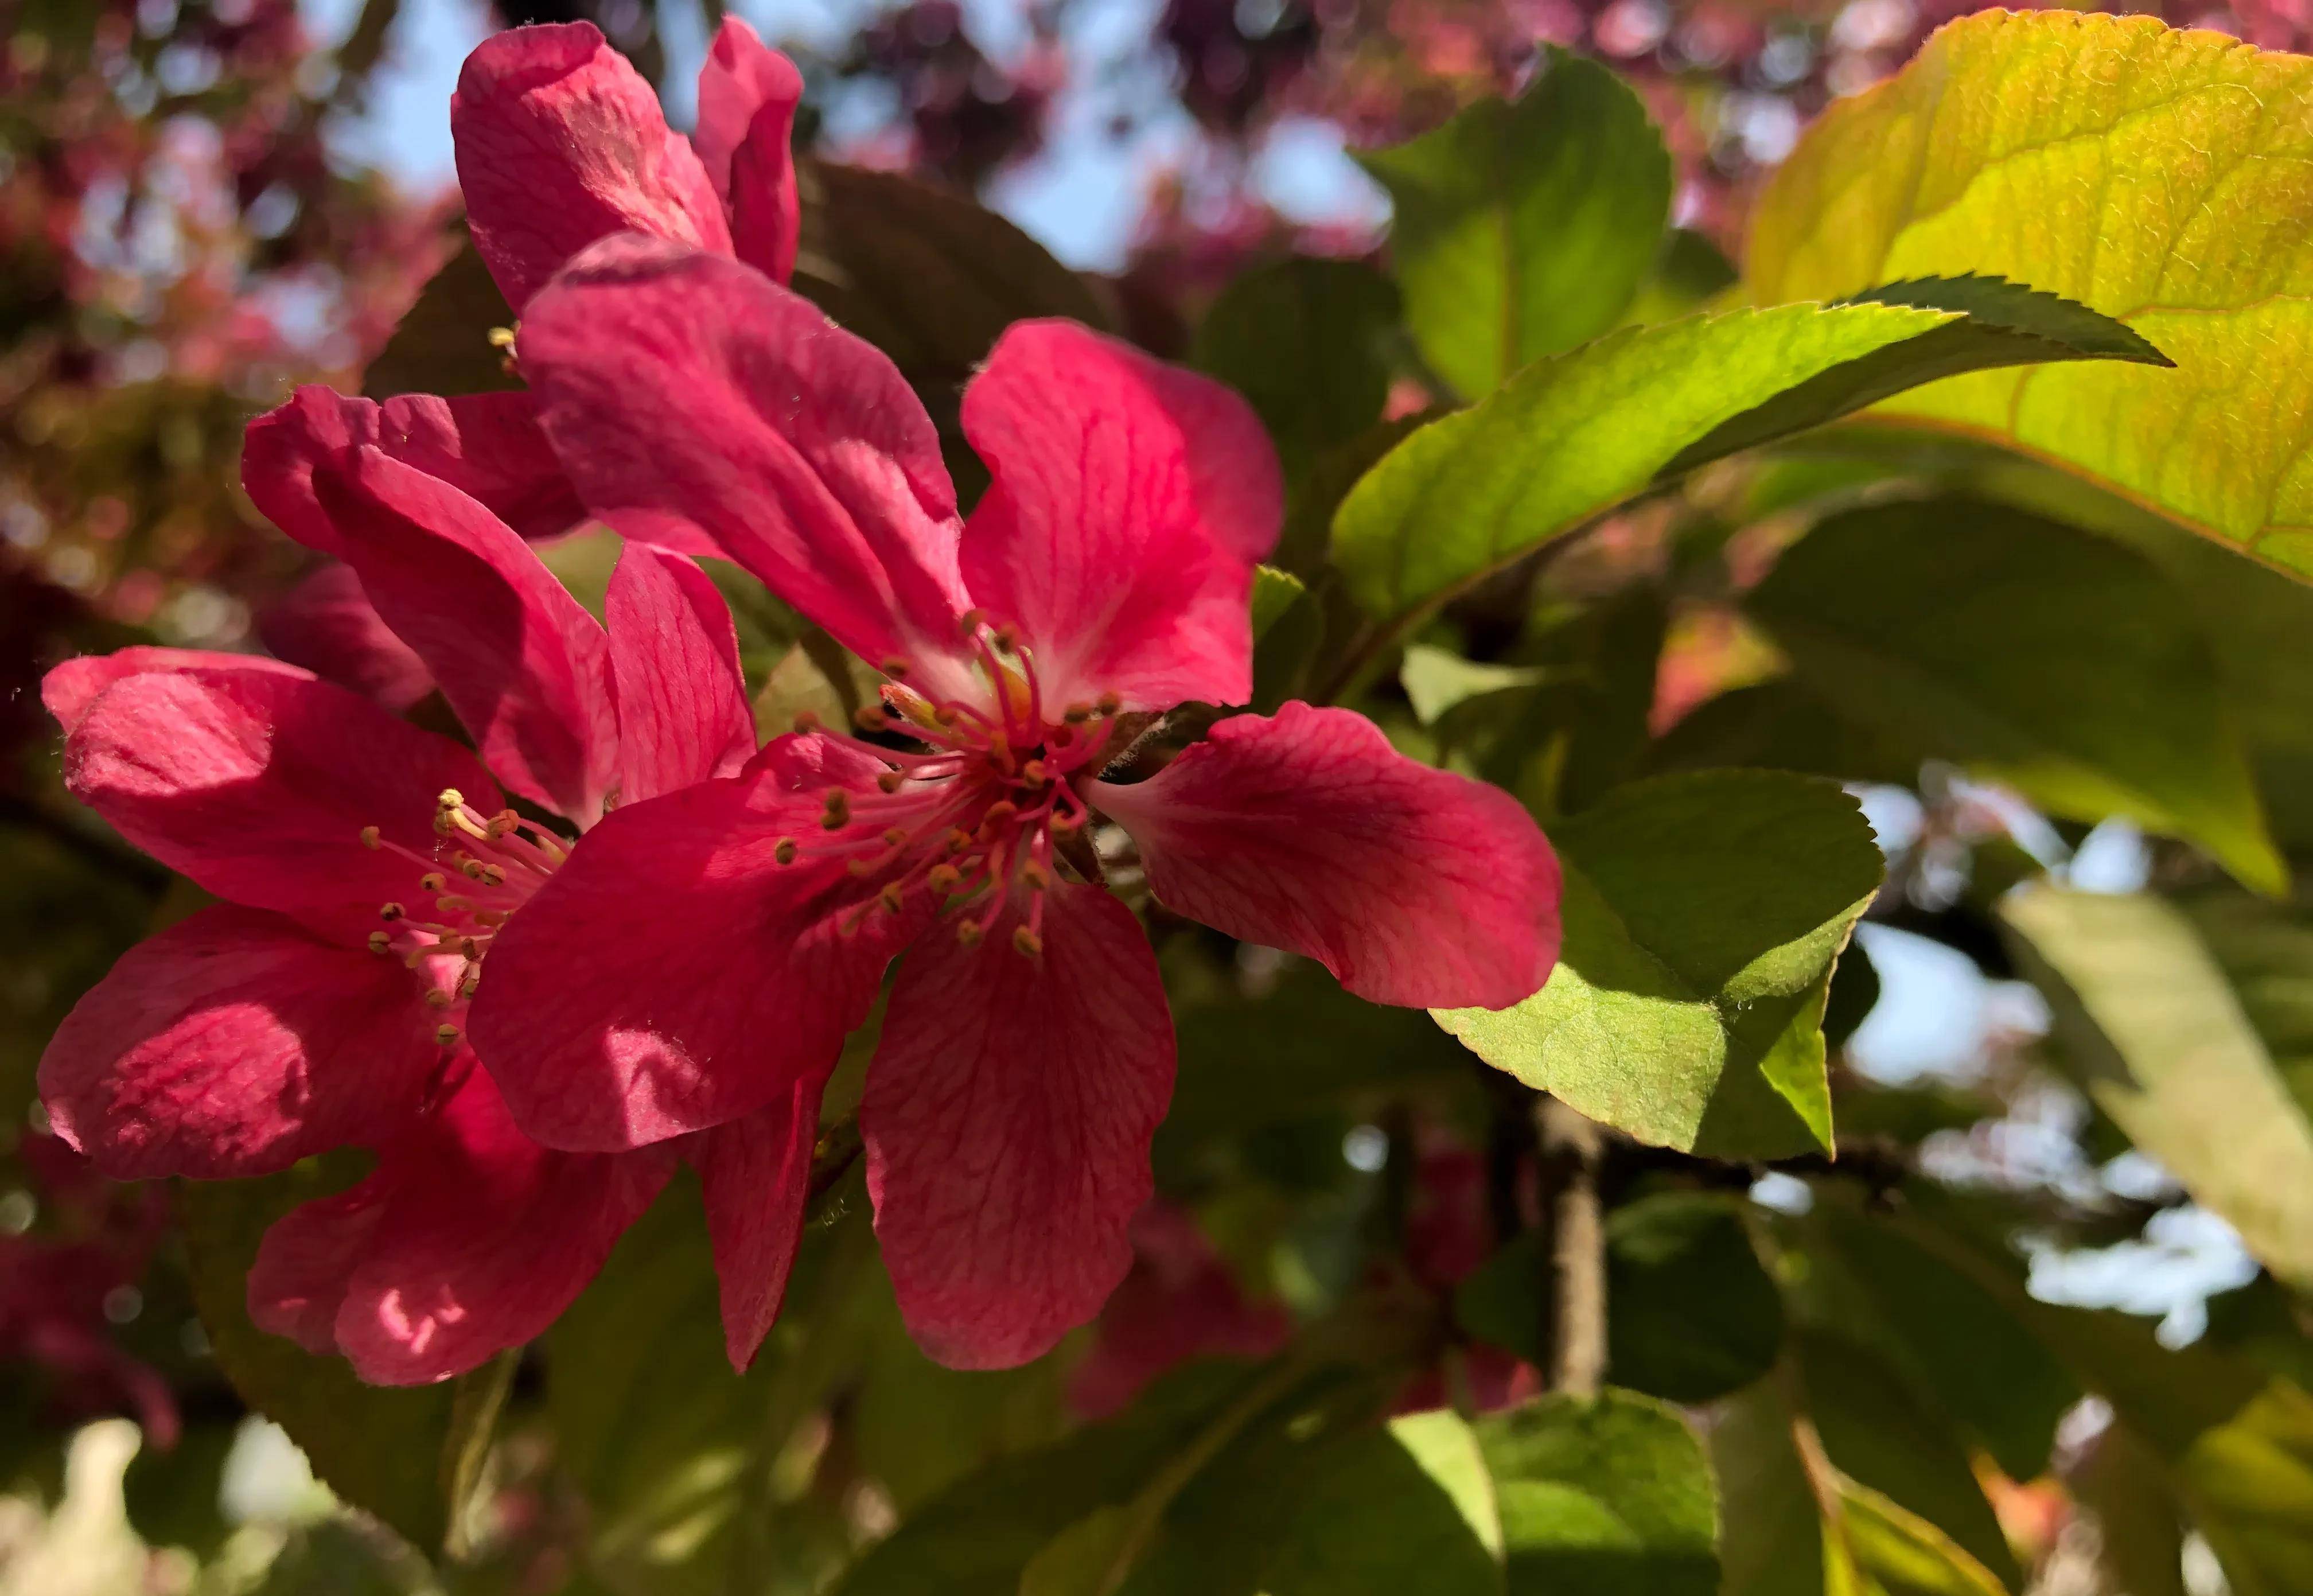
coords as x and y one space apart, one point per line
484 868
973 821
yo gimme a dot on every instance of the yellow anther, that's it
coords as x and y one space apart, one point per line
958 840
1066 825
492 876
999 812
450 797
455 903
860 868
470 869
869 717
432 881
969 934
370 837
438 998
381 942
1035 772
501 822
447 1035
1026 941
890 781
1036 876
501 337
971 621
895 667
473 980
891 896
838 808
469 948
804 723
492 917
1077 714
893 836
1110 703
391 911
785 850
943 877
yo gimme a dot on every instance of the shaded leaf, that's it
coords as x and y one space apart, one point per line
1523 228
1601 1495
2162 1044
1305 341
2037 654
1703 914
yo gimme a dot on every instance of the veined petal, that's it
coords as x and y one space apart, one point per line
70 687
237 1042
1308 832
747 98
674 975
755 1176
469 1238
681 697
1007 1118
522 663
689 391
257 785
560 142
327 624
487 445
1129 501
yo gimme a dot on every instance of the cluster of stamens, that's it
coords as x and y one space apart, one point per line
481 871
977 815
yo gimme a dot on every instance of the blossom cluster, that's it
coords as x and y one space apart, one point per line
538 970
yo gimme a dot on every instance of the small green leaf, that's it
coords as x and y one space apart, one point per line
1523 229
1702 917
1609 1495
1889 1551
1274 592
1577 434
476 1399
2042 656
1436 680
2161 1043
378 1448
1305 341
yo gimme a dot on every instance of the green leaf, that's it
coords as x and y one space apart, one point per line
1887 1550
1080 1559
1525 228
1288 627
2160 1041
1577 434
476 1399
2039 654
442 344
1878 1433
1601 1495
1438 680
1305 341
1702 917
2250 1485
2135 168
378 1448
1773 1543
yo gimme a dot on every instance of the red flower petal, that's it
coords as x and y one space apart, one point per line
237 1042
1130 500
673 975
561 142
681 697
1308 832
467 1238
1007 1117
257 785
747 100
487 445
755 1176
69 688
522 663
327 624
688 392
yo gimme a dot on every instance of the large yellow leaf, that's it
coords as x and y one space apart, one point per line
2163 177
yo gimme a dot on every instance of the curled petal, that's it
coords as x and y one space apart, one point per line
674 975
683 715
688 391
487 445
69 688
755 1176
1007 1117
560 142
327 624
1308 832
522 662
237 1042
1130 500
747 100
467 1240
259 786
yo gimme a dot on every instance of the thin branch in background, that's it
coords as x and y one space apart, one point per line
1572 1150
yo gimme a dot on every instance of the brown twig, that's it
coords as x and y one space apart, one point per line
1572 1150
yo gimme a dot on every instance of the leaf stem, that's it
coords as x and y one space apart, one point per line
1571 1149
